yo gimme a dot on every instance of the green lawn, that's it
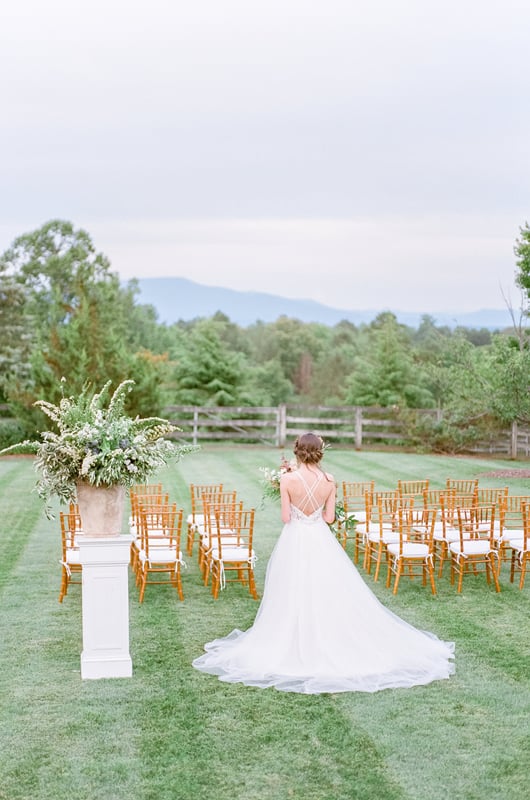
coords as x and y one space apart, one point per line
173 733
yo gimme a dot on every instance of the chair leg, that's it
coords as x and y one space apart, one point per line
64 585
399 568
179 583
142 584
494 573
378 561
216 580
523 570
206 571
252 584
430 569
443 552
461 567
190 540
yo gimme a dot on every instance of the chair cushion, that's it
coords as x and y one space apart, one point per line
451 535
410 550
388 537
72 556
508 534
472 547
160 555
516 544
233 554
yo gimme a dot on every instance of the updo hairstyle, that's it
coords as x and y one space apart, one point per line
309 448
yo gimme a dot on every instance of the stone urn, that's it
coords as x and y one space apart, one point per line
101 509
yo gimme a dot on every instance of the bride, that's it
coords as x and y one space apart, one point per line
319 628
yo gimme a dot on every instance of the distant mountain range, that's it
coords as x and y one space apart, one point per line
180 299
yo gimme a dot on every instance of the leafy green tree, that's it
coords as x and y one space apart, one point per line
266 384
386 374
207 373
15 332
522 253
294 344
80 315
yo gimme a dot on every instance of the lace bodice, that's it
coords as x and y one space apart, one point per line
299 516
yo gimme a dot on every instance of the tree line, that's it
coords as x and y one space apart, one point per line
66 319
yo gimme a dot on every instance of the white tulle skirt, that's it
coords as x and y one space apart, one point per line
319 628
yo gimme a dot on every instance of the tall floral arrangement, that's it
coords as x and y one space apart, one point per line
97 442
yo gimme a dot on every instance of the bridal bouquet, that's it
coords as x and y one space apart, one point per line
271 479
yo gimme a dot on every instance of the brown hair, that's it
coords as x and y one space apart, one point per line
309 448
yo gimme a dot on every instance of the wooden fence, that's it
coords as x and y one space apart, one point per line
358 426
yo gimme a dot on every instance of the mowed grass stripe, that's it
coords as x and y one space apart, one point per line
60 736
19 511
173 732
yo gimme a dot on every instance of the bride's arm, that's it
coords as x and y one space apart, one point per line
285 499
328 515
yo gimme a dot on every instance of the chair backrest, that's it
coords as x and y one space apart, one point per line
416 487
145 500
383 510
526 525
70 527
196 492
437 498
511 511
476 522
462 486
357 489
146 488
416 525
487 497
219 515
210 499
241 523
160 525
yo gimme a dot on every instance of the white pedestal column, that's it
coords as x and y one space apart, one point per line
105 598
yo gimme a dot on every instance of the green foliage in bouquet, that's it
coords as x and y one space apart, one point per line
99 443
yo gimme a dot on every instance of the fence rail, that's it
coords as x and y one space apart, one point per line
359 426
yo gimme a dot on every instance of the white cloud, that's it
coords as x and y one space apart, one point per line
367 150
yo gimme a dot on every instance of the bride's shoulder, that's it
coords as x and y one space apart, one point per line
329 476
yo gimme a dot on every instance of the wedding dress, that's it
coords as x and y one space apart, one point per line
319 627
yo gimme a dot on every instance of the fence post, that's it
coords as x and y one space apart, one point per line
282 425
358 428
195 425
513 448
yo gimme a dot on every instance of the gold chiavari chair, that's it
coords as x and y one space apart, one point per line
70 528
520 548
195 519
511 523
382 528
413 552
475 547
210 499
160 554
354 504
234 555
142 494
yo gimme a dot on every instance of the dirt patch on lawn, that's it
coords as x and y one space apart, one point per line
506 473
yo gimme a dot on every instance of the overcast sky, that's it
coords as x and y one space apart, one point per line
362 153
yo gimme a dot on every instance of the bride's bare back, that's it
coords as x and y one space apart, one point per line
308 488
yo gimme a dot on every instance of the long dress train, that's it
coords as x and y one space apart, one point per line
319 627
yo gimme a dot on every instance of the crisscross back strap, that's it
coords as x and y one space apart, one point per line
309 500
